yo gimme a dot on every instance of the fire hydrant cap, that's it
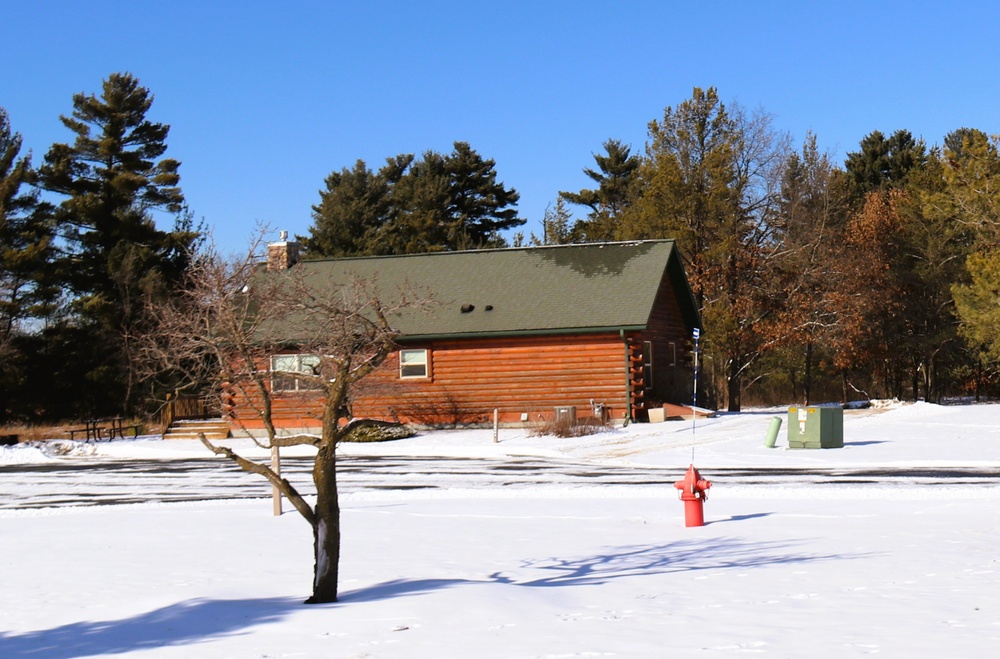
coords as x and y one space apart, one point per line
693 484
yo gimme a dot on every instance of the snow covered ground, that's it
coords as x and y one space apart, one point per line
783 569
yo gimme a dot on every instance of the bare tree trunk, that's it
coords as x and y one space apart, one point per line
326 527
807 385
734 385
979 377
932 393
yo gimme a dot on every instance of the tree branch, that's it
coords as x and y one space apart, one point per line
252 467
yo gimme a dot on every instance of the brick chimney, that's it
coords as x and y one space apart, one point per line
283 254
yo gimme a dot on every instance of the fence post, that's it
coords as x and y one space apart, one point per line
167 415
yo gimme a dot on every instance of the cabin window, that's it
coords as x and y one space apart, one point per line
285 367
647 364
413 363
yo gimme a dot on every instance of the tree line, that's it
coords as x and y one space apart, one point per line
816 281
877 277
82 255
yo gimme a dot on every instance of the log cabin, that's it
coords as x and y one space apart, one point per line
527 334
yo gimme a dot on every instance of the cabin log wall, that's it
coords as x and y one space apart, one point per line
671 377
468 379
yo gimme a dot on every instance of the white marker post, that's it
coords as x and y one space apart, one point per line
275 492
694 398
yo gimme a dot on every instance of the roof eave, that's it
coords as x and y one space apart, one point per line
519 333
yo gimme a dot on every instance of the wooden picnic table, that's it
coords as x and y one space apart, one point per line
94 429
91 427
118 428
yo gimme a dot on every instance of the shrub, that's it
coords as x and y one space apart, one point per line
564 427
371 430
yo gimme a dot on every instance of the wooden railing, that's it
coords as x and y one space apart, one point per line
188 406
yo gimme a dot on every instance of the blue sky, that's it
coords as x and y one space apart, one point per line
265 99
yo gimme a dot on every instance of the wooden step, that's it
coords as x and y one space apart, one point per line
191 429
672 411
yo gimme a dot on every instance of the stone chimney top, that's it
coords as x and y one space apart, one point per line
283 254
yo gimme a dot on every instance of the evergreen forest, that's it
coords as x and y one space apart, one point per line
817 281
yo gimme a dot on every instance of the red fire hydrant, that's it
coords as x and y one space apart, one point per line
693 492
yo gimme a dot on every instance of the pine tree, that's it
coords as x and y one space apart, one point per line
972 178
978 304
437 202
112 180
960 144
616 177
353 208
27 289
556 224
480 207
25 240
884 163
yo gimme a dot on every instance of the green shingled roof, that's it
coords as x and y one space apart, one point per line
592 287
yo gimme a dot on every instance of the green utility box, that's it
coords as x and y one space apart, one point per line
816 426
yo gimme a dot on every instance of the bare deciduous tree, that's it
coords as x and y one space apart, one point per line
220 334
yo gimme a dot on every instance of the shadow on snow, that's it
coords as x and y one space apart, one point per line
200 620
187 622
620 563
